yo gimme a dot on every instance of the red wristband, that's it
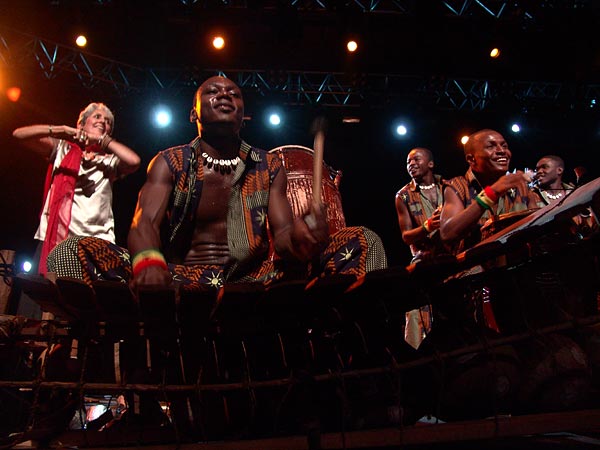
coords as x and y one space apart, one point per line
427 225
492 194
148 262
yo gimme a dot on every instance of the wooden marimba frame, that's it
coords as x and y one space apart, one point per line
255 362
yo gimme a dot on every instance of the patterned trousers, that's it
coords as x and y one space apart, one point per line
351 251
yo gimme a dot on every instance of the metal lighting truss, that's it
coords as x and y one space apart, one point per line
53 61
382 6
471 8
493 8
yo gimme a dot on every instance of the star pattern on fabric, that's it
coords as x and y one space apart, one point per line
125 257
261 216
214 280
346 254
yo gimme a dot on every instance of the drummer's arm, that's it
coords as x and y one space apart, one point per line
292 237
456 219
144 233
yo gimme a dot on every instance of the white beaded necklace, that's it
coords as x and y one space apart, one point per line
220 165
426 187
553 196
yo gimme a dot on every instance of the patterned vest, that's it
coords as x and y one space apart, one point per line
467 187
420 209
247 205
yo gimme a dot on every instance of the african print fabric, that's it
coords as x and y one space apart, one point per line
420 208
90 259
351 251
248 202
467 187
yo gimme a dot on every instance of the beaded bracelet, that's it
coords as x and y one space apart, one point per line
148 258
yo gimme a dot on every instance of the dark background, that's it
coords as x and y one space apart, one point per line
546 41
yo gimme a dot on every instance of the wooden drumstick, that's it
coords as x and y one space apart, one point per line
319 130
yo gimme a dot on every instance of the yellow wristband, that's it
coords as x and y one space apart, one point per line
485 201
150 253
427 225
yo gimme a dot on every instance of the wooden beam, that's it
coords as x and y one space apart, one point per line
494 429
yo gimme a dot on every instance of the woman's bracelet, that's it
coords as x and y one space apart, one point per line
50 132
104 141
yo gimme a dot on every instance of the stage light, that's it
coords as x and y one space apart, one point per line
274 119
13 93
81 40
464 140
401 130
352 46
161 116
27 266
495 52
218 42
515 128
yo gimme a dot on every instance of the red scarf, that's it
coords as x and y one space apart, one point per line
62 190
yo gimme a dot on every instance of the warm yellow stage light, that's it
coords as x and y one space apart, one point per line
464 140
495 52
218 42
352 46
13 93
81 41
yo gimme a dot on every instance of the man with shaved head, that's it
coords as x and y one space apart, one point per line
418 205
486 190
201 217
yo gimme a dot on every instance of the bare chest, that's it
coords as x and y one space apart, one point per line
214 199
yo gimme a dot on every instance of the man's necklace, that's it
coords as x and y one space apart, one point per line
553 196
220 165
434 203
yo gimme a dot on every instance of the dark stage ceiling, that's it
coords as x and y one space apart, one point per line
423 60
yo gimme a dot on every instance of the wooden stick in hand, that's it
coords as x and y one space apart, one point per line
319 130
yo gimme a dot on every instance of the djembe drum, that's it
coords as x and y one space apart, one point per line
298 163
